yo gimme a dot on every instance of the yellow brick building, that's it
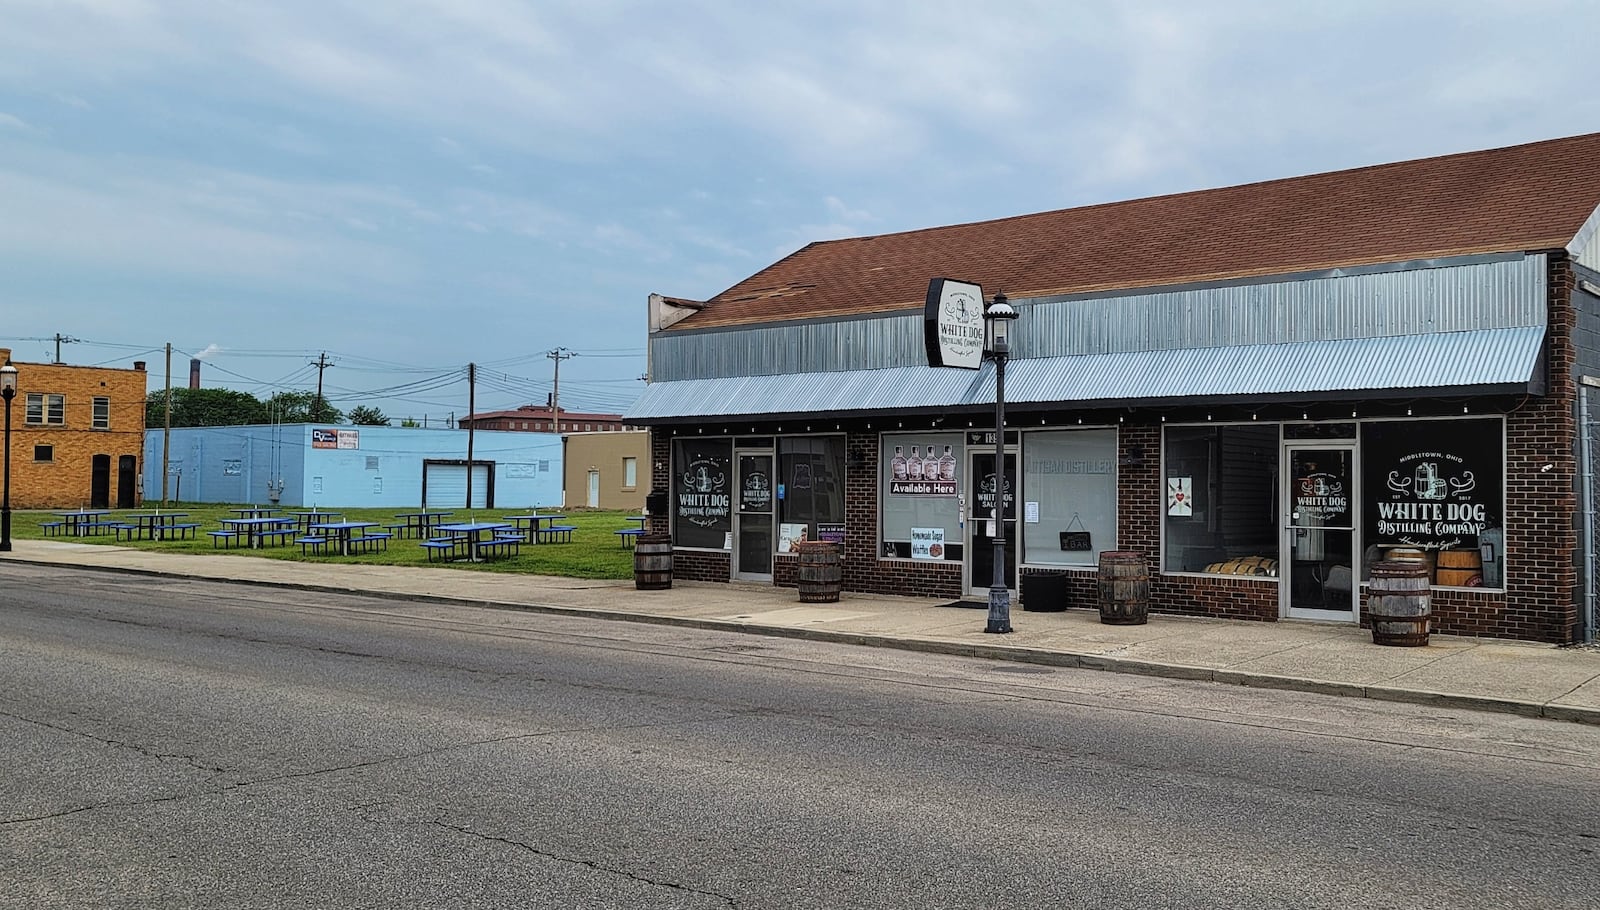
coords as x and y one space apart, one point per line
76 435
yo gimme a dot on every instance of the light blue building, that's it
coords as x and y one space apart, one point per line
352 467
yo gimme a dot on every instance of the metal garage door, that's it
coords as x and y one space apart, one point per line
445 486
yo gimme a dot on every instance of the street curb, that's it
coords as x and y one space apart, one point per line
1015 654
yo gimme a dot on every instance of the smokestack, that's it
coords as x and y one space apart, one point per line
194 373
138 365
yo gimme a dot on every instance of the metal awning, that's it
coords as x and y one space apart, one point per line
1490 361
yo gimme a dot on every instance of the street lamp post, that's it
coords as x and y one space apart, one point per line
8 389
997 319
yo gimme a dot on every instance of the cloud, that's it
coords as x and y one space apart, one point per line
12 122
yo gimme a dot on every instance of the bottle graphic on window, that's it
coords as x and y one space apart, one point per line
947 465
914 465
897 465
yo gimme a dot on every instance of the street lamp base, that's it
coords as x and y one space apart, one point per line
999 611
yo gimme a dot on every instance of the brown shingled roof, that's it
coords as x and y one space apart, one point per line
1526 197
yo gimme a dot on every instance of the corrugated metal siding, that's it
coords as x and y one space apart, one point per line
1501 358
1494 294
1495 357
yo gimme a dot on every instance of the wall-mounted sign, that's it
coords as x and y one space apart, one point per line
232 467
953 324
832 533
986 438
335 439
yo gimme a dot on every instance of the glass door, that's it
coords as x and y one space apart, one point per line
981 528
1322 580
752 520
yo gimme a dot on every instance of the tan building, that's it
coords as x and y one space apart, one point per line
606 470
76 435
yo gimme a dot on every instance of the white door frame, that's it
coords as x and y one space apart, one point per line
771 515
1289 528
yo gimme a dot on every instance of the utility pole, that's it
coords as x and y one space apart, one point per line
472 424
321 364
166 432
558 355
62 339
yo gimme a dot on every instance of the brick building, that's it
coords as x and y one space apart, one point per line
76 435
1264 388
541 419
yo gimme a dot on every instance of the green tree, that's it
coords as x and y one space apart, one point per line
204 408
409 422
302 407
361 415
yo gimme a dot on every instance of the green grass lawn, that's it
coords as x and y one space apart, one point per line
595 550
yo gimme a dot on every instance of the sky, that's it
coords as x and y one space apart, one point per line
410 186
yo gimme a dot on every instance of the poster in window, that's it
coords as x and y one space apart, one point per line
922 473
703 494
1434 485
1180 497
789 535
927 543
756 493
1321 489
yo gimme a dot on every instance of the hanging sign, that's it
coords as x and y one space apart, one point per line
952 324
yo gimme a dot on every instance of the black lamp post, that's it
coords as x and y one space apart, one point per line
8 389
997 319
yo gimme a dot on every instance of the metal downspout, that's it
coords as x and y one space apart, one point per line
1588 508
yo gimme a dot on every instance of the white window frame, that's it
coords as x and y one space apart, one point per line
50 408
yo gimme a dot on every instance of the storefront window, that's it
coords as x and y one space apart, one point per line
1220 486
811 489
1069 486
919 490
1435 490
702 490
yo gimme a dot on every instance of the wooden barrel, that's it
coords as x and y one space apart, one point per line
1459 569
819 571
652 562
1398 602
1124 586
1412 554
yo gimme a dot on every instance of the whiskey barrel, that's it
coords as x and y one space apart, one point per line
1459 569
652 562
1412 554
1124 586
820 572
1398 602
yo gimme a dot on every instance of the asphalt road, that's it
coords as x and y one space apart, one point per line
168 743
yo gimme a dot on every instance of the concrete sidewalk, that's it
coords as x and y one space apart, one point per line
1481 674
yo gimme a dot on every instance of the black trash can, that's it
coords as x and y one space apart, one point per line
1044 592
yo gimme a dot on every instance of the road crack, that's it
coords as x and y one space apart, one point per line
586 863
